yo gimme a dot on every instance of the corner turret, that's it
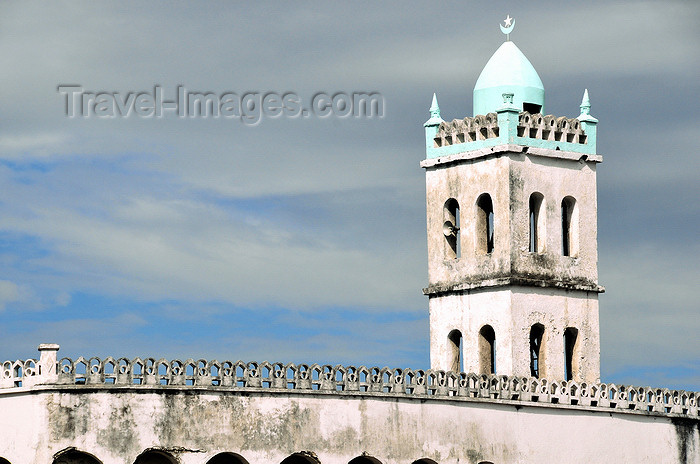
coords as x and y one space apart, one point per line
432 124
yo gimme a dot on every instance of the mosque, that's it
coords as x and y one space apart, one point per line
514 337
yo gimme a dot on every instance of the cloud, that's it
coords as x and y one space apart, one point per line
157 249
84 336
36 145
615 37
647 313
9 293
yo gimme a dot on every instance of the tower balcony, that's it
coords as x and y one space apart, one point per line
509 126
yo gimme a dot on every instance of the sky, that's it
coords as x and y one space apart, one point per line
302 239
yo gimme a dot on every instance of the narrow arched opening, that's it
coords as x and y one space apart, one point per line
536 350
537 218
450 228
71 456
4 461
227 458
484 224
569 227
570 353
455 341
487 350
155 457
302 457
424 461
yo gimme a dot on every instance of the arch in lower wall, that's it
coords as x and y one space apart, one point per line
72 455
302 457
227 458
155 456
365 459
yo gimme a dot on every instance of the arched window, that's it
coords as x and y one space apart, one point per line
303 457
484 224
450 228
72 456
536 351
424 461
155 457
537 223
569 227
4 461
455 348
570 350
365 460
227 458
487 350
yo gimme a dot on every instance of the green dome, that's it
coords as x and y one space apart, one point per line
508 71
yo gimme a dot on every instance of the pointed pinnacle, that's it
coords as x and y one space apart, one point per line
434 106
586 109
435 118
585 101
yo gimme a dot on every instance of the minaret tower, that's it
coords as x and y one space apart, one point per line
512 235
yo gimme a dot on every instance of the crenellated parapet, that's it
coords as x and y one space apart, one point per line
279 377
537 130
467 130
552 128
510 125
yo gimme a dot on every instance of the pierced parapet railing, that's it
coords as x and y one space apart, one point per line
561 129
19 373
533 126
239 375
466 130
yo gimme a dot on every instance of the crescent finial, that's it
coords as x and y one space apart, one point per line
507 26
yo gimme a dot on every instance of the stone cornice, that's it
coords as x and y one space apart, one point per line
466 285
500 150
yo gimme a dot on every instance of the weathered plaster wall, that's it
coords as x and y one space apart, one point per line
116 425
510 178
513 288
556 310
22 417
468 312
512 311
555 179
465 183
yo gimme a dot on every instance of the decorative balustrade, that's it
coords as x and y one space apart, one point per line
14 374
466 130
533 126
326 378
560 129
